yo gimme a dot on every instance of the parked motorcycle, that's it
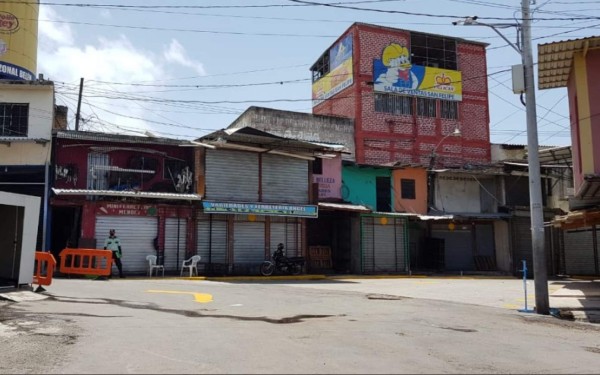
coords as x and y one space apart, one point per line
282 264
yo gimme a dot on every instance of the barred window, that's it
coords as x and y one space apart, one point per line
426 107
394 104
14 119
449 109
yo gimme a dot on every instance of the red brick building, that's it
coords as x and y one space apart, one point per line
407 92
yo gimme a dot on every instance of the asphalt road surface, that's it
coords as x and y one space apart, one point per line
166 325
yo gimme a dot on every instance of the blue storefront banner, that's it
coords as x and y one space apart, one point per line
269 209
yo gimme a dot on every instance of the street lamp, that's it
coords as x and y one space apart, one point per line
430 180
523 47
455 133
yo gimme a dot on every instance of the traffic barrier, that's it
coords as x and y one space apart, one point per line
86 261
44 269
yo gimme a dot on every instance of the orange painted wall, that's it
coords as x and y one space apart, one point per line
418 205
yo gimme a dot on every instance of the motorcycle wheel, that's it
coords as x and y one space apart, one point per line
267 268
296 269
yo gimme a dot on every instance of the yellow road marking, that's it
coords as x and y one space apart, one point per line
200 297
511 306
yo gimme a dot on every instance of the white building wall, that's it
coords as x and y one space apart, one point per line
457 193
40 97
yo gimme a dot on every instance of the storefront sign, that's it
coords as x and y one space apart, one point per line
269 209
114 209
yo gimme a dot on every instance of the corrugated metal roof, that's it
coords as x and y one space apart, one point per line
121 138
132 194
556 59
23 140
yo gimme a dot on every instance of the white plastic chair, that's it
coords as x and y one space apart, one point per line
191 264
153 266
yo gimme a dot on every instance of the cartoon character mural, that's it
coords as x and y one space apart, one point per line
394 73
395 69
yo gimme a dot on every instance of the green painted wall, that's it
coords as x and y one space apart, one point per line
359 185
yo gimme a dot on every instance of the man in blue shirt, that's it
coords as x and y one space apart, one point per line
113 244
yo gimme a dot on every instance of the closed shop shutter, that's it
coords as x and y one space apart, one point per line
579 252
368 246
522 246
231 175
285 179
137 235
521 240
286 230
212 239
458 246
175 243
248 239
485 254
384 245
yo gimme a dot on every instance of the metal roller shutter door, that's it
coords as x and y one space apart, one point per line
521 230
579 252
212 239
368 247
458 247
175 243
522 246
285 179
287 231
384 245
248 240
137 235
225 170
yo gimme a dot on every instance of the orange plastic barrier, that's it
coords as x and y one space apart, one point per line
44 261
86 261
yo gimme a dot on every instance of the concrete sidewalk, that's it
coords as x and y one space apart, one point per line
577 299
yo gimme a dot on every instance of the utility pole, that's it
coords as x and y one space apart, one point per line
542 304
78 114
523 47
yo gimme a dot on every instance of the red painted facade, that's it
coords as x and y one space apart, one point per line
73 173
384 137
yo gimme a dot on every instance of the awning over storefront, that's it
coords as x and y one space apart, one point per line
343 207
131 194
577 219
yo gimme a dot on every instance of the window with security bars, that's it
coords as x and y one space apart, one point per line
449 109
14 119
394 104
426 107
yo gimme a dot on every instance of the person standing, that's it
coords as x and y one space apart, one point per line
113 244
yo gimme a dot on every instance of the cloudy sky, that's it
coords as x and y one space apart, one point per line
181 68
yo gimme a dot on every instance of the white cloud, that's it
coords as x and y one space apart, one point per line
175 53
51 32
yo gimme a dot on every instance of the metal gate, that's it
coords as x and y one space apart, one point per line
286 230
384 245
137 234
248 239
522 246
458 246
175 243
211 242
580 254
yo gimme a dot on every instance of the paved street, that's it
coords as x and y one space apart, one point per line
410 325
